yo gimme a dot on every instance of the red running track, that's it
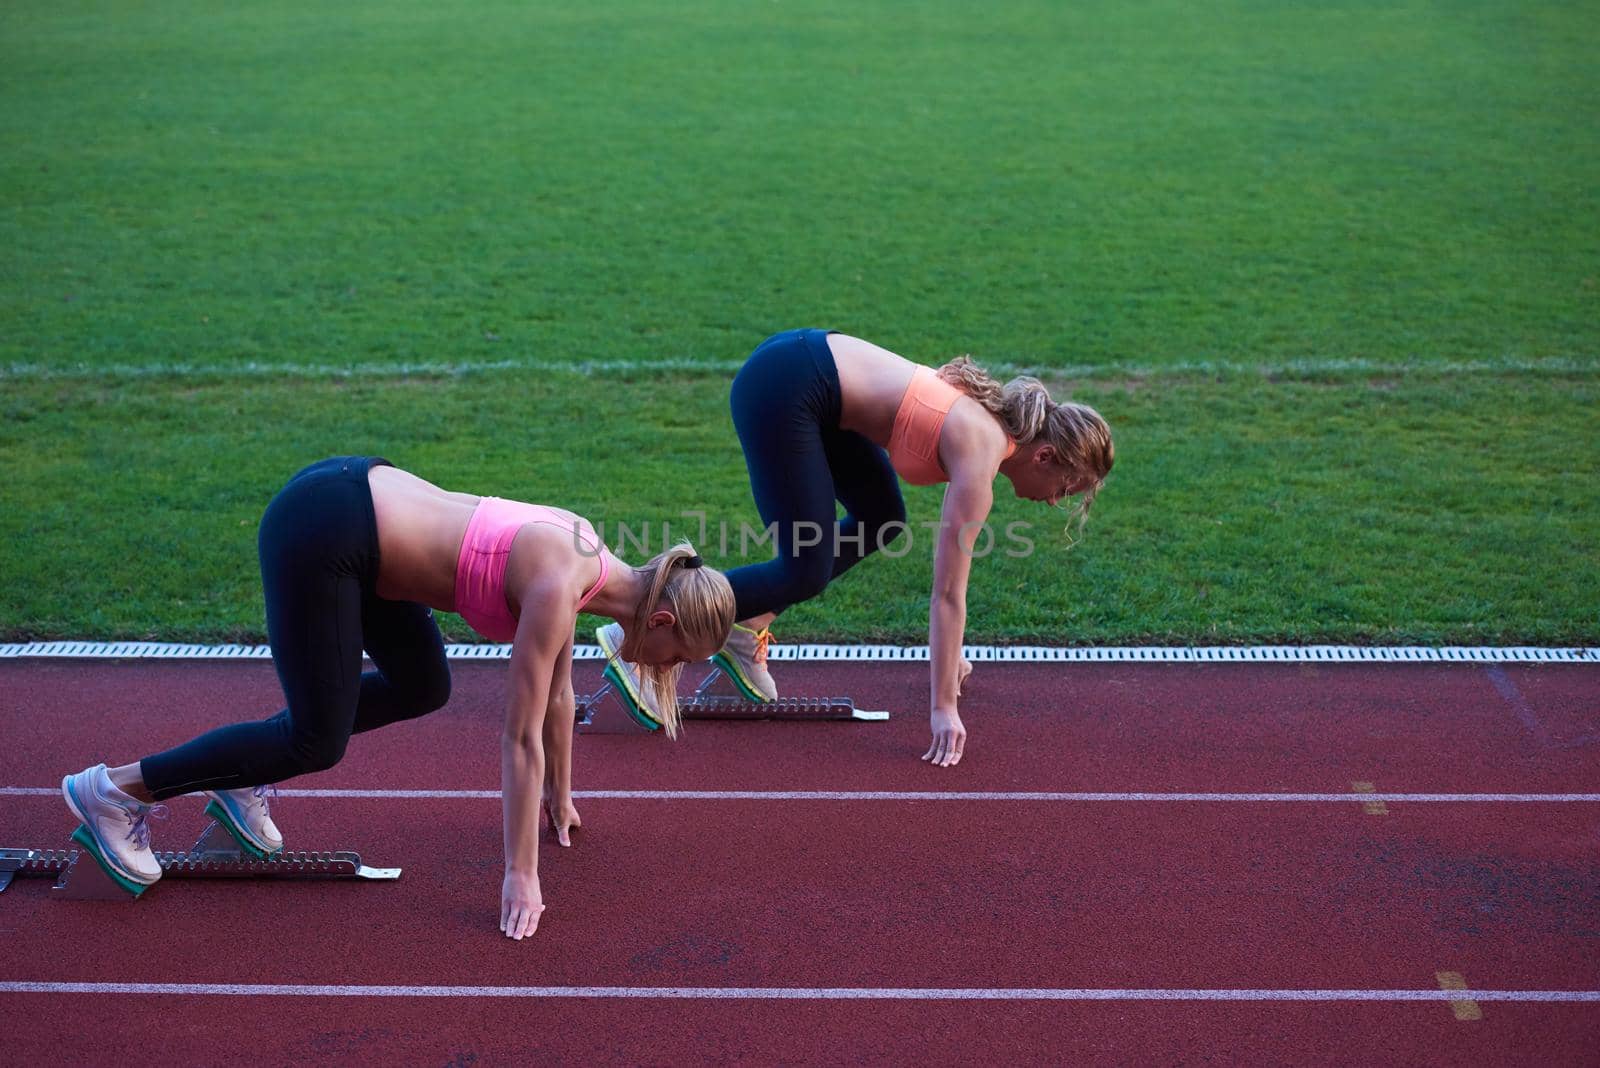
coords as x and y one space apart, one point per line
877 894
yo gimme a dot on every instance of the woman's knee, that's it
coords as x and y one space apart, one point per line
419 686
805 577
316 752
432 691
882 535
889 513
880 526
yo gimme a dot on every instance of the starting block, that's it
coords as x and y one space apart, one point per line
216 855
608 710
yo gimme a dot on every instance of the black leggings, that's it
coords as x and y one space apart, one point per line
319 569
786 404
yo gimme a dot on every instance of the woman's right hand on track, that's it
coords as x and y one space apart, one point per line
520 904
949 738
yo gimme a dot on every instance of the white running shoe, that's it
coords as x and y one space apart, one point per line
118 831
625 677
243 813
744 660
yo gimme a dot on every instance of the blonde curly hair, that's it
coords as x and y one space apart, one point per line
1023 405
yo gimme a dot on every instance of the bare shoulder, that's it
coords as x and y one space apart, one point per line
973 442
550 565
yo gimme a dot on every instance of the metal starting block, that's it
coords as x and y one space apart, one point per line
216 855
609 711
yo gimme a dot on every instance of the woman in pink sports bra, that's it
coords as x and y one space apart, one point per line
823 417
356 554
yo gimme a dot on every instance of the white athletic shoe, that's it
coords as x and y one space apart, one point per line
244 814
116 824
744 660
626 677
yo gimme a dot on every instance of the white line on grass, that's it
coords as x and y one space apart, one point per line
917 795
1307 368
786 993
369 370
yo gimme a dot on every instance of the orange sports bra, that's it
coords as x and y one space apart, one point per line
485 549
914 441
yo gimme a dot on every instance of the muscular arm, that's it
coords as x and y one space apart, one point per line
971 447
542 631
560 713
967 502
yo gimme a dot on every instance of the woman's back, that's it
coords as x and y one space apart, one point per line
420 527
873 382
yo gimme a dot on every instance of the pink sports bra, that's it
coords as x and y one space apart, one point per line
481 567
914 441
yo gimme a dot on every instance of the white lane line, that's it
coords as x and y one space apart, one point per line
834 653
910 795
785 993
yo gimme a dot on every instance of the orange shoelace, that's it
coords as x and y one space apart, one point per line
763 639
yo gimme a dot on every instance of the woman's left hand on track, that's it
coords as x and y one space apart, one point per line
562 816
949 738
520 904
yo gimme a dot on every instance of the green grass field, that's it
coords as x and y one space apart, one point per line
1331 271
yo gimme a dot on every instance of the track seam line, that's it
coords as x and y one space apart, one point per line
1358 797
794 993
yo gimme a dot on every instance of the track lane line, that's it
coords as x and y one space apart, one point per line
1362 797
785 993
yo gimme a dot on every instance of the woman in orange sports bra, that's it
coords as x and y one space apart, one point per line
825 417
355 554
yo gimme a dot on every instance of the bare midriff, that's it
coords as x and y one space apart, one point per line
872 381
872 388
420 528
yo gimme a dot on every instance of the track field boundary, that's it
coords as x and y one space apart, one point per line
840 653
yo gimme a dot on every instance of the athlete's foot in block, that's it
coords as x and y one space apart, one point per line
117 823
610 638
744 660
249 817
562 816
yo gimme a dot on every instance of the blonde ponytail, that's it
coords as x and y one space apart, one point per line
1023 405
702 601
